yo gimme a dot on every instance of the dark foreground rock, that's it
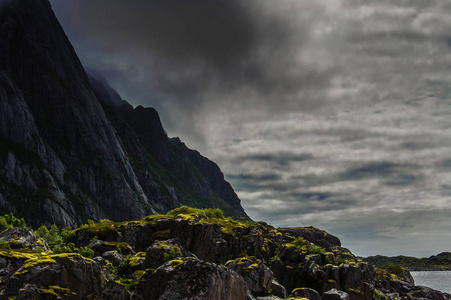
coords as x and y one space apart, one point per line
23 238
190 278
187 255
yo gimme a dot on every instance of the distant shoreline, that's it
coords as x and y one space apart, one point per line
439 262
426 269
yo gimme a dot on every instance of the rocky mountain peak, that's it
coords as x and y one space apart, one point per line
72 149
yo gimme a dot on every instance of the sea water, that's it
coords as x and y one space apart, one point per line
437 280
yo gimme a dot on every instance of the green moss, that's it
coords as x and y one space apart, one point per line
356 291
176 262
172 253
100 230
153 217
137 259
30 263
391 272
251 267
227 225
314 249
48 292
299 243
18 254
161 235
123 247
57 291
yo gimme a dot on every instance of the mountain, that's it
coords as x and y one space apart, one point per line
441 261
71 149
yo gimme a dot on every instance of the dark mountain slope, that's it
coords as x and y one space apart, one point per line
64 155
193 178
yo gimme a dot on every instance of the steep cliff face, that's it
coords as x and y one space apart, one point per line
66 156
183 175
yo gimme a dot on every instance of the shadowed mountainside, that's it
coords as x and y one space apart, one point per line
67 154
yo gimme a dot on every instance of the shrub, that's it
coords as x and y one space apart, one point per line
208 212
86 252
10 221
3 224
4 244
51 236
68 248
314 249
13 221
67 234
41 231
214 213
182 210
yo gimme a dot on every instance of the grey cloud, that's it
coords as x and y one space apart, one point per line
445 164
393 173
279 160
255 178
302 204
326 113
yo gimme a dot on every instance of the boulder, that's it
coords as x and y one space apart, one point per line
113 257
101 247
308 293
190 278
278 290
69 274
335 294
23 238
160 252
313 235
256 274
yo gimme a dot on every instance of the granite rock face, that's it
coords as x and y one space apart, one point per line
71 149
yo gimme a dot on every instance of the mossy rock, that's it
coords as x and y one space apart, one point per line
101 247
190 278
160 252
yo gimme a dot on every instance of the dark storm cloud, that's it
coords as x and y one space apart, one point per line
200 51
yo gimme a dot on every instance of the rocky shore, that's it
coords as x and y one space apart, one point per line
194 254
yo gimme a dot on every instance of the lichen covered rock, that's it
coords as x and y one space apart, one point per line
190 278
68 271
23 238
256 274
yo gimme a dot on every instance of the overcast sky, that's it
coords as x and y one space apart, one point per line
330 113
